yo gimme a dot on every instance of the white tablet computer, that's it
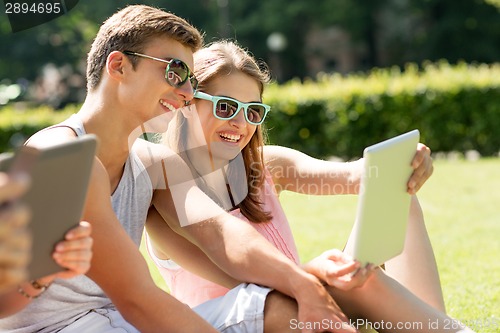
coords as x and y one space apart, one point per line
379 231
56 197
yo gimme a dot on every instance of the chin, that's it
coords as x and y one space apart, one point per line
224 151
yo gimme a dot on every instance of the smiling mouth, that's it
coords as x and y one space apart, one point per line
233 138
167 105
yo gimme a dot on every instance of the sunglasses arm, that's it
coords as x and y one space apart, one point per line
202 95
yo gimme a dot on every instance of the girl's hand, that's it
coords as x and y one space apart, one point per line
338 270
422 168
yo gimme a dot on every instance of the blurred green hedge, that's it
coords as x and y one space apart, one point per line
456 108
17 122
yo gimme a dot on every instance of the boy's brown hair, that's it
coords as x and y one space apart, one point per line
131 29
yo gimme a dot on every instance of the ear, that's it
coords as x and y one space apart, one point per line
115 64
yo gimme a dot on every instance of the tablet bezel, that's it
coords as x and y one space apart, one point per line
379 231
59 181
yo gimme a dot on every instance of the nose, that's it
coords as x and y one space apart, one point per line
186 91
239 121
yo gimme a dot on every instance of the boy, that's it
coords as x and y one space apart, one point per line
125 90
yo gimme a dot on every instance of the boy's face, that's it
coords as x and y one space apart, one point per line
145 91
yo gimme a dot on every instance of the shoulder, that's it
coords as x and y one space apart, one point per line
271 151
163 164
286 164
151 152
57 135
51 136
280 156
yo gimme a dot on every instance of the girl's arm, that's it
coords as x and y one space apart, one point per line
295 171
298 172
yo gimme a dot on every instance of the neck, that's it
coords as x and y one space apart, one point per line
218 163
105 118
213 175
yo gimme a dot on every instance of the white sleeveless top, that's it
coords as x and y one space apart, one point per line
67 300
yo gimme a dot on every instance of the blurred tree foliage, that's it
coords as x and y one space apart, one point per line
414 30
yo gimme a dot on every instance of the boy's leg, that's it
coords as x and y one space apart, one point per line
240 310
280 314
102 321
243 309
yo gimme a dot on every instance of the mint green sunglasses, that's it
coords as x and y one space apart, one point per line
226 108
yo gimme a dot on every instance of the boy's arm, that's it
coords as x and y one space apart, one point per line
240 251
121 271
167 244
119 268
232 244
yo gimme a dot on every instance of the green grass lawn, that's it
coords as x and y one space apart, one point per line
461 204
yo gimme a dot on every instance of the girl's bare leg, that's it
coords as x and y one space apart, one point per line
416 267
390 307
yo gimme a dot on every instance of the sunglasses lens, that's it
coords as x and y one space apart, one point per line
177 73
256 113
194 82
225 108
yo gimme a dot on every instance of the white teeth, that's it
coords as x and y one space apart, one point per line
165 104
230 137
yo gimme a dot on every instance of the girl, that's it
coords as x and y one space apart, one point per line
221 139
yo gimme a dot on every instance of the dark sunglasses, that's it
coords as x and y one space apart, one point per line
176 73
226 108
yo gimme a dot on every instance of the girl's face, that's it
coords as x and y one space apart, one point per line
226 138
